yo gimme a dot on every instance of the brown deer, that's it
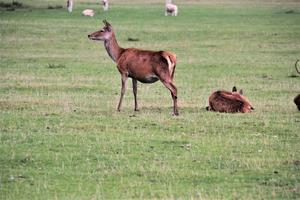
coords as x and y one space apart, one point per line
297 98
230 102
139 65
297 101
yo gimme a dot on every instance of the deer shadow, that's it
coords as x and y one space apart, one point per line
160 110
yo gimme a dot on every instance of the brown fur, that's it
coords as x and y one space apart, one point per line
230 102
140 65
297 101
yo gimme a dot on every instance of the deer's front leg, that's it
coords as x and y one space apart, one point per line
134 88
123 80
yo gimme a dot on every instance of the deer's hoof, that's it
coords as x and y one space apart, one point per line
175 113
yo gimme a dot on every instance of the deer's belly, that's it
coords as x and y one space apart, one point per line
147 79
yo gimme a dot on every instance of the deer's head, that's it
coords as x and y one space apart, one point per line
103 34
247 105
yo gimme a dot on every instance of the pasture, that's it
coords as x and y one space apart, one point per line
62 138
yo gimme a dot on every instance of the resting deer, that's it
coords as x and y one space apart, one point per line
140 65
297 98
224 101
88 12
297 101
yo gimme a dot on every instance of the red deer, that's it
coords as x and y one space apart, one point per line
170 8
297 98
139 65
297 101
230 102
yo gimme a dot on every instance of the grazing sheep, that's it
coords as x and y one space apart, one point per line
170 8
230 102
297 101
70 5
105 5
88 12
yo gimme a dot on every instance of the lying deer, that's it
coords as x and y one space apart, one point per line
297 98
230 102
297 101
170 8
139 65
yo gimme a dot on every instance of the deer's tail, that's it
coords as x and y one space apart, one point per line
171 59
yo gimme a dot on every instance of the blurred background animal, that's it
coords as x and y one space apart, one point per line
171 9
70 4
88 12
105 5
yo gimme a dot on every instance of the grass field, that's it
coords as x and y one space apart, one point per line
62 138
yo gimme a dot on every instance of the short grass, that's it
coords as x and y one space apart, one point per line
62 138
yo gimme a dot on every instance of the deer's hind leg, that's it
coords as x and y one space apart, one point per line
168 82
134 89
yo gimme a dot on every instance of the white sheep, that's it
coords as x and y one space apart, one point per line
105 5
171 8
70 4
88 12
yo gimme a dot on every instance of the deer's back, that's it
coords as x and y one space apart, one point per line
224 101
142 65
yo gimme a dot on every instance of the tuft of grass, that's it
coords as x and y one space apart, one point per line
55 7
56 66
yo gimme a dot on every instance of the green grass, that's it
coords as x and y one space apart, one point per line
62 138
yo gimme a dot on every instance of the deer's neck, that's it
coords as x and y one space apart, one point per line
113 49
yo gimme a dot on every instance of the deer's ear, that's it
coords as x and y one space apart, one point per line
234 89
241 92
106 23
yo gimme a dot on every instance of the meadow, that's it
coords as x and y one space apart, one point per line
62 138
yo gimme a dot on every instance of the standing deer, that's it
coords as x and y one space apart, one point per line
230 102
140 65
